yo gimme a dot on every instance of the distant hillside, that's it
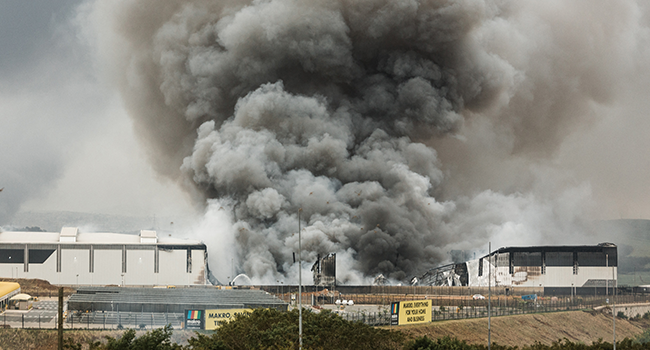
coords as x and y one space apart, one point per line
93 222
633 240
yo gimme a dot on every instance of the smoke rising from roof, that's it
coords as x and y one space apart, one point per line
402 129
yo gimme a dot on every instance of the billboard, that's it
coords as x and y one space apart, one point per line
410 312
194 319
214 318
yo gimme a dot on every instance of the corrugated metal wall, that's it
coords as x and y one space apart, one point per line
106 264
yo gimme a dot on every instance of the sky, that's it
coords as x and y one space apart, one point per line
67 142
563 128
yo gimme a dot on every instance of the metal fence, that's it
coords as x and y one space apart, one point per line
93 320
445 308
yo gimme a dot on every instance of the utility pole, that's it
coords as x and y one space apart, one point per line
489 295
300 283
60 318
614 306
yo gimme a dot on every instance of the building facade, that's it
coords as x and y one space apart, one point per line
542 266
73 258
324 270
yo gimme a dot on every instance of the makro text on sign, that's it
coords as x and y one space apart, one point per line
215 318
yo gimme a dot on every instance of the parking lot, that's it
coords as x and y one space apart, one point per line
41 315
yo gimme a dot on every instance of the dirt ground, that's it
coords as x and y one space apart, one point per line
577 326
39 339
38 288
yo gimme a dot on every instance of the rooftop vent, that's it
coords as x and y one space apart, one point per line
148 236
68 234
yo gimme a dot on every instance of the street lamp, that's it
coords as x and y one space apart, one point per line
614 307
489 294
299 283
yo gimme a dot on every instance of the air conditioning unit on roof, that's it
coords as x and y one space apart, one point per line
148 236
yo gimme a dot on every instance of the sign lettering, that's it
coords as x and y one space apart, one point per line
410 312
216 318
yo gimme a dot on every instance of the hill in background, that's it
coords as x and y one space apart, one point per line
633 240
53 221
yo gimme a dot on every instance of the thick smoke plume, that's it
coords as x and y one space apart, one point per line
400 129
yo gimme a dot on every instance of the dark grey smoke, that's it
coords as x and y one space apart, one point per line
341 108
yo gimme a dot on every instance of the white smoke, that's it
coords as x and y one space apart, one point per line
401 129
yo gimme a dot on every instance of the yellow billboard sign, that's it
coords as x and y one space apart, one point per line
410 312
214 318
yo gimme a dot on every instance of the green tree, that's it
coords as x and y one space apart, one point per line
123 343
273 329
444 343
158 339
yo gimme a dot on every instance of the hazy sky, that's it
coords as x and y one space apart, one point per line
67 143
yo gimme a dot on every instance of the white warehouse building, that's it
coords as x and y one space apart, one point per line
551 267
70 257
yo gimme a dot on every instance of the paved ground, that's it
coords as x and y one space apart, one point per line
41 315
357 308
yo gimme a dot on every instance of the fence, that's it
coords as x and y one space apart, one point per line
449 295
93 320
447 308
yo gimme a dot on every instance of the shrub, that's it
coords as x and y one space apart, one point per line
643 338
272 329
444 343
159 339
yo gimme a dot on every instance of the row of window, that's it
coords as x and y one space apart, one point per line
545 259
39 256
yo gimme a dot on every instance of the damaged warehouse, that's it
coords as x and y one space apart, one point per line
324 270
554 267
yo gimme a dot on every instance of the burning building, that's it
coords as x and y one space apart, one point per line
585 266
324 270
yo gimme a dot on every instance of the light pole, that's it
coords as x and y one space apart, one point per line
489 294
299 283
614 306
